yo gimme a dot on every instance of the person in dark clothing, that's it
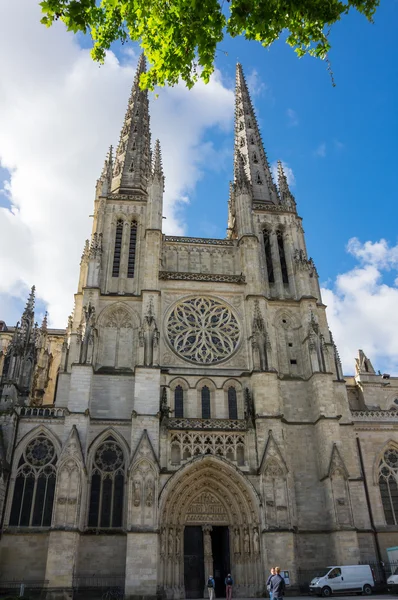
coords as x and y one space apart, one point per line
277 585
229 582
272 573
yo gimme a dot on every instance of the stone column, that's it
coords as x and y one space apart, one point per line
208 555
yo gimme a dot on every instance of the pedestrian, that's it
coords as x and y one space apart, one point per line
210 587
277 585
229 582
272 573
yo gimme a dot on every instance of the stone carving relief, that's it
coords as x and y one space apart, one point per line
203 330
206 508
274 485
69 483
143 478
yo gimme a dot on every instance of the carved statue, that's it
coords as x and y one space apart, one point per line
136 492
149 336
256 541
246 541
236 541
207 543
87 338
171 540
163 542
149 493
178 543
260 338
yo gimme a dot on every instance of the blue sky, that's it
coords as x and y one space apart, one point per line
60 113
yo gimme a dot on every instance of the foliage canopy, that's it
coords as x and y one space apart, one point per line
180 37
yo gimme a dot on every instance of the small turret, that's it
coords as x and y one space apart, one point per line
286 197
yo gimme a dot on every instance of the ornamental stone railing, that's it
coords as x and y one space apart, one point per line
217 277
213 424
374 415
185 445
42 412
193 240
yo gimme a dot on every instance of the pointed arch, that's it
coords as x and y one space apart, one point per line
387 480
108 460
34 478
274 474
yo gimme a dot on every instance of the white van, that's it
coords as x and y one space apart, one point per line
346 578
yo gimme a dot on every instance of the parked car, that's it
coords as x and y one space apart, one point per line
345 578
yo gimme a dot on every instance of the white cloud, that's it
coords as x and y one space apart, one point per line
255 85
288 172
362 307
321 150
292 117
59 112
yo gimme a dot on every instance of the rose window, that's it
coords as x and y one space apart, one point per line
39 452
203 330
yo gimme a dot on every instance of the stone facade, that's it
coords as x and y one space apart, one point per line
194 412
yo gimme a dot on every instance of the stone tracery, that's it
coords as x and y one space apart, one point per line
203 330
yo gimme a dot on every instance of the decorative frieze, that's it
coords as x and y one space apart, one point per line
186 445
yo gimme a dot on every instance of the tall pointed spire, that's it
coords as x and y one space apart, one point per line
286 197
28 316
250 145
133 162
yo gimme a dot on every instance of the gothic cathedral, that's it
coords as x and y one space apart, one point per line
193 419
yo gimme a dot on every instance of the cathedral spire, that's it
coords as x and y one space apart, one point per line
250 145
29 311
242 183
286 197
133 162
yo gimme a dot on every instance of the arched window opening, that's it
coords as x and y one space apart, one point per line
107 486
178 402
282 256
118 248
33 499
268 256
131 169
255 159
388 476
132 248
259 181
205 402
232 403
242 141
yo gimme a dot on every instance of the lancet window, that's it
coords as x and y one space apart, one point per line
132 250
282 256
178 402
107 486
33 499
118 248
205 402
268 255
232 403
388 477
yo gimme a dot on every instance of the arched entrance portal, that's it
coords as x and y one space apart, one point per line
210 522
